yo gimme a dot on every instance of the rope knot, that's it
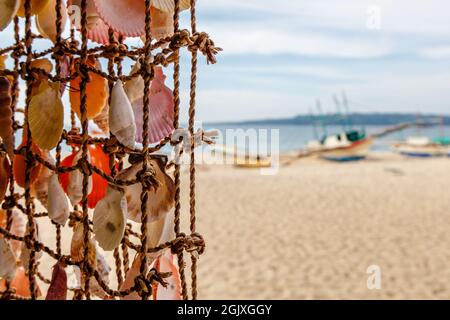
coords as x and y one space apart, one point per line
10 202
84 167
147 178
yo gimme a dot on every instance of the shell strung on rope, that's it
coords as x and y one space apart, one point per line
121 118
65 72
134 88
17 228
5 172
132 273
58 204
25 254
164 264
102 121
110 219
77 247
160 198
36 7
169 5
46 115
46 20
8 9
75 183
161 110
40 188
96 91
7 260
162 23
6 124
19 166
99 159
45 66
58 285
21 284
67 162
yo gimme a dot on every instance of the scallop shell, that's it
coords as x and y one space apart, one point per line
46 116
160 199
5 172
40 187
110 219
43 64
134 87
36 7
6 125
8 9
58 285
25 254
77 247
161 24
161 110
75 184
121 116
46 20
58 205
17 228
19 165
97 30
172 291
21 284
7 260
96 91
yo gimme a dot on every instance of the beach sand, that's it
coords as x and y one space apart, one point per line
312 230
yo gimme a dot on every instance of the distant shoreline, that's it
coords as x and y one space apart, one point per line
376 119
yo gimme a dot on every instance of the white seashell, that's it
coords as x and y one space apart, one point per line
160 201
134 88
75 186
7 260
40 188
25 254
110 219
46 20
160 231
121 116
58 205
8 9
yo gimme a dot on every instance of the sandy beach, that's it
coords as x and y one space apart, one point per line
312 230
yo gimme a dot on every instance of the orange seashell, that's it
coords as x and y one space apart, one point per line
36 7
99 184
21 284
5 172
58 286
66 162
165 263
96 91
20 166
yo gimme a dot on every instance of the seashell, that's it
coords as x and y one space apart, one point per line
99 185
21 284
25 254
75 182
7 260
6 124
134 87
36 7
96 91
58 205
46 115
5 172
102 121
58 285
161 24
8 9
40 188
132 273
160 231
160 198
110 219
65 72
97 30
169 5
103 269
67 162
77 247
46 20
172 291
19 165
43 64
17 228
121 116
161 110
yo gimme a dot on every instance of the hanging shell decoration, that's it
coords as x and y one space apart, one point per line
19 166
6 125
8 9
40 188
36 7
45 20
121 117
58 285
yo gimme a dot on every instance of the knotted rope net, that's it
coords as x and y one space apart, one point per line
18 202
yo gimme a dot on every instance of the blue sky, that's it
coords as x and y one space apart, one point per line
280 56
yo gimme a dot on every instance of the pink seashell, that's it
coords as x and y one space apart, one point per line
163 264
126 17
161 110
65 72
